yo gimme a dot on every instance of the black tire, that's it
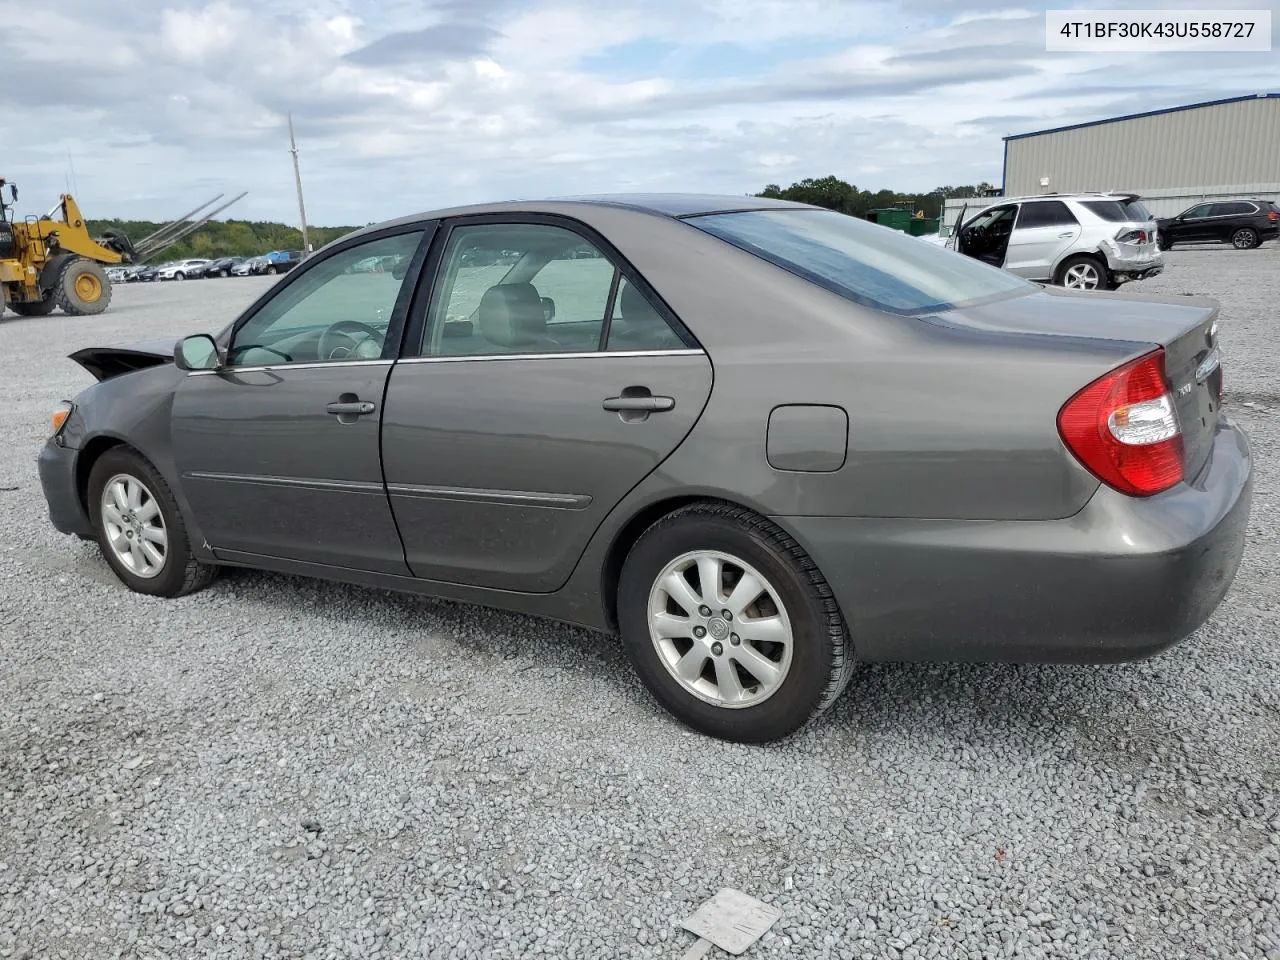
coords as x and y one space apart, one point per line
1246 238
34 308
179 275
180 572
69 290
822 653
1162 243
271 269
1086 262
224 273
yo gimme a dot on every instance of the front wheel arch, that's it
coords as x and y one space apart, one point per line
90 454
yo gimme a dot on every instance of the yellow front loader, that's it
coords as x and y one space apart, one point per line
47 263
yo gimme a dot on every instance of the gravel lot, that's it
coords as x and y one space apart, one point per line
285 768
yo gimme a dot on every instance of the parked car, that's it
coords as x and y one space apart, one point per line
221 267
903 454
118 274
278 261
1244 224
1088 241
182 269
246 267
939 239
146 274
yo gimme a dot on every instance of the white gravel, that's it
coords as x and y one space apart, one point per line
285 768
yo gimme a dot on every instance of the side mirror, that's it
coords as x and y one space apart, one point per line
197 352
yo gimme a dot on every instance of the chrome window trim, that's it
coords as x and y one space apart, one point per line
580 355
310 365
468 358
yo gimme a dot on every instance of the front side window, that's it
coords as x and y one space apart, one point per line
527 288
335 310
866 263
1198 211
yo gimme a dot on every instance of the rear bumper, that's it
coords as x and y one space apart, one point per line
57 466
1123 579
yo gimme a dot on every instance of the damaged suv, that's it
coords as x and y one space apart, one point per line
1086 241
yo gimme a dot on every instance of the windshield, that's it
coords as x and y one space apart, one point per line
864 262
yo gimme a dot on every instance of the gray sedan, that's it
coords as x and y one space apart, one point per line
759 440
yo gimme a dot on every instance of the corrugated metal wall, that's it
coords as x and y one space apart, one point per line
1225 147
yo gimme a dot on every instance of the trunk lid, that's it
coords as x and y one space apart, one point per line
107 362
1186 327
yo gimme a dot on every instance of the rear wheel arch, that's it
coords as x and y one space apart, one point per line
631 531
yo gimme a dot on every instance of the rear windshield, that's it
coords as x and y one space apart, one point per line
864 262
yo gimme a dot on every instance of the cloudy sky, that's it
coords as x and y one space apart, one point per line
402 105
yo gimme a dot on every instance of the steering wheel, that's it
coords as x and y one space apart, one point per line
336 343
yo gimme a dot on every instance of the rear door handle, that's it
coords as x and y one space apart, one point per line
645 404
351 408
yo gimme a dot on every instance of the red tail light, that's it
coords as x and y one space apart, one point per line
1124 428
1273 216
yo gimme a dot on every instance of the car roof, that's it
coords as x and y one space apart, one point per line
1118 197
653 204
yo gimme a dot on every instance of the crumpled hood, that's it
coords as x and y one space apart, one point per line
107 362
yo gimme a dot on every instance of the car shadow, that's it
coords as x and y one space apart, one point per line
1103 710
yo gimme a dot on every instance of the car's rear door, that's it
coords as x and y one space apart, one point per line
542 382
1045 230
277 452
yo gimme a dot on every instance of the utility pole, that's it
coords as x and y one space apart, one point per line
297 177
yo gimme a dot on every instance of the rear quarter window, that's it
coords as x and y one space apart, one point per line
863 262
1110 210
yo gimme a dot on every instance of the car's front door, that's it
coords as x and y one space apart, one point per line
1044 232
1194 225
277 451
549 382
986 236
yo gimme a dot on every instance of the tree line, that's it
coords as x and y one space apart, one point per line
223 238
835 194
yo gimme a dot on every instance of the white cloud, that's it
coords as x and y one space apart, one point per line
406 104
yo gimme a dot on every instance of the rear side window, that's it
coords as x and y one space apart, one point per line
1046 213
863 262
1232 208
1109 210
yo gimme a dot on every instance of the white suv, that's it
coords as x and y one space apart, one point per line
181 269
1086 241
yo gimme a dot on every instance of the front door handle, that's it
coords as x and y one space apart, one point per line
644 404
1064 236
349 408
356 408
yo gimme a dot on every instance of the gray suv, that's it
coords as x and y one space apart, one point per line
1087 241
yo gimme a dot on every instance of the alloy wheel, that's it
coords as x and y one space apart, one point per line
134 526
1242 240
1082 276
720 629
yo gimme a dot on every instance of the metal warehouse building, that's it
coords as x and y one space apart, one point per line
1173 158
